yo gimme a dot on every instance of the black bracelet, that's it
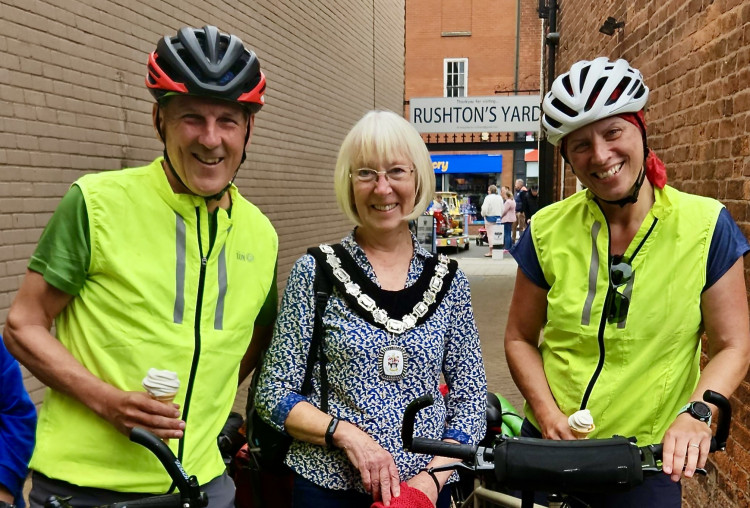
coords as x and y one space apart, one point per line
437 483
329 432
431 473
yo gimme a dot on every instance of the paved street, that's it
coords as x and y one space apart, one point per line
491 283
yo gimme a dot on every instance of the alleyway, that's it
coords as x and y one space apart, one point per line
492 283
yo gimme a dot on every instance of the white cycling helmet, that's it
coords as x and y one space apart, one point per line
590 91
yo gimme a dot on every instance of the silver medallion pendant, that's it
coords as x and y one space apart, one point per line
392 361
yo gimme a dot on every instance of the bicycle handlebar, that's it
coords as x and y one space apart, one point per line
189 495
473 454
430 446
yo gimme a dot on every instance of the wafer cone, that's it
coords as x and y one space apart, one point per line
164 399
582 434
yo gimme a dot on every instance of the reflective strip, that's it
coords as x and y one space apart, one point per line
222 276
593 272
179 298
626 293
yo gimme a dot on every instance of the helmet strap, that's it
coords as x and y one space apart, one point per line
632 197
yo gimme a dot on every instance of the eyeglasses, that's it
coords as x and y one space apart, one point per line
620 274
369 175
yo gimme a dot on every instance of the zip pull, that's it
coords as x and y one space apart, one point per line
204 261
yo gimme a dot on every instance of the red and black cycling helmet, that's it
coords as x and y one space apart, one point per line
206 62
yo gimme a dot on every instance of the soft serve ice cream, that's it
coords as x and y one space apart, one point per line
581 423
162 385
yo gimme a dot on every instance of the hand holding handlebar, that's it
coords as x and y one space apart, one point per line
189 495
484 459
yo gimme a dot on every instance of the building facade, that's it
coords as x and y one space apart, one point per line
467 48
695 58
73 101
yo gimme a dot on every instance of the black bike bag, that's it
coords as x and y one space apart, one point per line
597 465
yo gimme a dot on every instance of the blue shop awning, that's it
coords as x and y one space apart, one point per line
467 163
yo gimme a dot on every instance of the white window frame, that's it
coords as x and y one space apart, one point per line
446 62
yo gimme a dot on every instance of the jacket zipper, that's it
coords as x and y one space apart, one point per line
603 320
197 334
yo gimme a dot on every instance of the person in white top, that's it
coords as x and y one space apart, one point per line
492 210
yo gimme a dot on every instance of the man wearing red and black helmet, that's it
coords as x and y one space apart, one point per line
163 266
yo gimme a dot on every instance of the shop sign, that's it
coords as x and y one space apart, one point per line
518 113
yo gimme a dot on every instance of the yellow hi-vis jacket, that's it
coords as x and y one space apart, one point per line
634 375
156 296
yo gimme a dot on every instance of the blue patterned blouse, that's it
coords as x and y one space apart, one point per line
447 343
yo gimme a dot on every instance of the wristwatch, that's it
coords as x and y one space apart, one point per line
698 410
4 504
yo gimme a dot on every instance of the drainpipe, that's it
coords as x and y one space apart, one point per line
519 159
547 151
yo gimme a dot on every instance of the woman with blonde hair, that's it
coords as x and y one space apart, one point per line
398 318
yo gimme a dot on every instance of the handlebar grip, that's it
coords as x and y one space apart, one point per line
443 449
719 441
410 413
165 456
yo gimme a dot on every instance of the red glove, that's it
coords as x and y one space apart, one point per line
409 498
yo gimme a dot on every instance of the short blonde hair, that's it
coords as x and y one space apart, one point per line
492 189
378 138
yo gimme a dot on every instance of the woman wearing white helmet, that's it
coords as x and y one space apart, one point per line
623 278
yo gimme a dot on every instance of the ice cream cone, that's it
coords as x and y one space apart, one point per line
167 398
581 433
581 423
161 385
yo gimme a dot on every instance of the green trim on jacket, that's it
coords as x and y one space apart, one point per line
155 297
634 375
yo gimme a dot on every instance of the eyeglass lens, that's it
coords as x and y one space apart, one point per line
620 274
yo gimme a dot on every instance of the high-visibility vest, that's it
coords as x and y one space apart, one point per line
156 296
634 375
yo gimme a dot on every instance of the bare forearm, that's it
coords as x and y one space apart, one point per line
307 423
50 362
723 373
527 370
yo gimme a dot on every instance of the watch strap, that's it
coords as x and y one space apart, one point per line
329 432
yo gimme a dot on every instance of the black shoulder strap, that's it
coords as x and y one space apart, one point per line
322 288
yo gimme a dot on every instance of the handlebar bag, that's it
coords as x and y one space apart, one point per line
597 465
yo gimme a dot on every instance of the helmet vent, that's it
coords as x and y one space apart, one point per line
617 92
640 92
563 108
584 73
554 123
595 93
567 85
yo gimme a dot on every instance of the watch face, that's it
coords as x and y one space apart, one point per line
701 410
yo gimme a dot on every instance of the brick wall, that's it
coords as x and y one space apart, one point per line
73 100
490 49
694 56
